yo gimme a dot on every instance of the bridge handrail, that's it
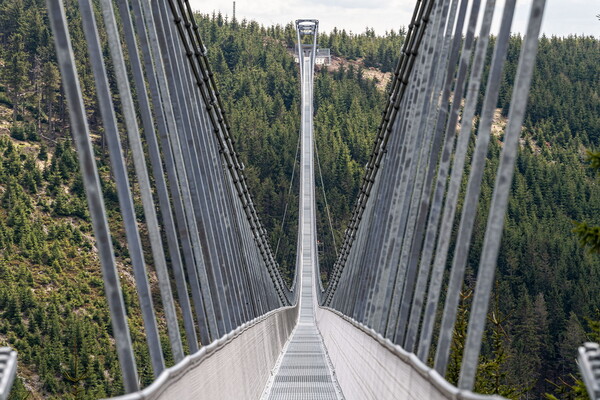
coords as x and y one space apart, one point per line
429 374
175 374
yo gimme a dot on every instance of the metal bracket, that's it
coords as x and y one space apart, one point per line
8 370
589 365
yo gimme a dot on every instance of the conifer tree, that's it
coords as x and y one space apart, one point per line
590 235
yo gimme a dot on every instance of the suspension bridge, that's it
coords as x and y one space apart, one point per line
382 327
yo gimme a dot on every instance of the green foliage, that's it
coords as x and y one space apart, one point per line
594 327
590 235
459 337
564 99
380 52
52 305
4 100
492 375
570 388
17 132
19 391
594 159
41 295
27 132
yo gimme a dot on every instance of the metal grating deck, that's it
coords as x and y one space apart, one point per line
304 371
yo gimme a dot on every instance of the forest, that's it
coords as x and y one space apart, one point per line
52 306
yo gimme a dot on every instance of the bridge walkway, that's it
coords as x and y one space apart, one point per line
304 370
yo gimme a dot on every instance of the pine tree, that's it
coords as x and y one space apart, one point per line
16 70
590 235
